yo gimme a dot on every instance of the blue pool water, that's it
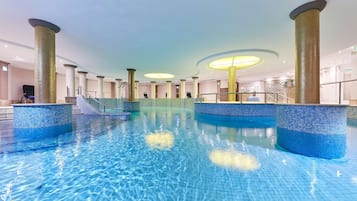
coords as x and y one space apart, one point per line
163 154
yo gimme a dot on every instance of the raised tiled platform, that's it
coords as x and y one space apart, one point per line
312 130
33 120
231 109
133 106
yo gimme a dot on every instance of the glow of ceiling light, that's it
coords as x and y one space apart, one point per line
17 58
160 140
6 45
283 61
269 79
234 160
283 78
159 75
234 61
4 68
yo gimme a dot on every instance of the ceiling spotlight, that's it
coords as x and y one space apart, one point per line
4 68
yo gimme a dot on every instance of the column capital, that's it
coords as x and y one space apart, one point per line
168 81
131 69
194 77
37 22
4 62
136 81
83 72
182 80
318 4
69 65
100 76
153 82
118 80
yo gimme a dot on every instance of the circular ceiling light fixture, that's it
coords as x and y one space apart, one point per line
235 61
159 75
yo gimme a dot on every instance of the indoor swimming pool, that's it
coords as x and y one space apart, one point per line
169 154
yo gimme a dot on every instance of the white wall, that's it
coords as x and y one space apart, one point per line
208 87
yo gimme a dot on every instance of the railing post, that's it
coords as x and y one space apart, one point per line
216 97
240 97
339 93
265 97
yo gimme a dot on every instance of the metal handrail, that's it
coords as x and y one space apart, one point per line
241 95
339 87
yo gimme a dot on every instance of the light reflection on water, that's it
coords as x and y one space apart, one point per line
107 159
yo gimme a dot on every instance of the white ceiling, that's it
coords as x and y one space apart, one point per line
106 37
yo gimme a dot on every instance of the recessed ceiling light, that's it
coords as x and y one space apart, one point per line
159 75
234 61
283 61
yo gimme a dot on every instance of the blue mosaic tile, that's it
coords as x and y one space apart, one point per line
319 119
315 145
38 116
24 134
352 112
131 106
236 109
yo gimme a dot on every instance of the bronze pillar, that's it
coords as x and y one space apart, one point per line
307 42
45 60
131 85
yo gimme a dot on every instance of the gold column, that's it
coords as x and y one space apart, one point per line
45 60
307 42
131 85
232 83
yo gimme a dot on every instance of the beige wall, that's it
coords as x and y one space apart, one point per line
208 87
3 84
144 87
19 77
92 88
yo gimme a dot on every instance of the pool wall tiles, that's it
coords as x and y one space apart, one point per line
184 103
236 109
312 130
40 116
131 106
352 112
